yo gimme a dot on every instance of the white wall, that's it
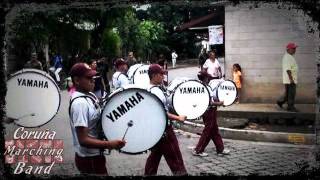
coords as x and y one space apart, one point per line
256 39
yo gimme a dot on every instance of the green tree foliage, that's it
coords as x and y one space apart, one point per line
150 35
111 43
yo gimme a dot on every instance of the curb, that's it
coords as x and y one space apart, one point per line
254 135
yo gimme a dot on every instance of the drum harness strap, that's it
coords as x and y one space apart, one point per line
99 124
122 74
163 89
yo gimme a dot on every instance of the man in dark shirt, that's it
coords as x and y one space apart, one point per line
34 62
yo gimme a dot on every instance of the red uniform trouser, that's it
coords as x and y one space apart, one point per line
210 131
169 148
91 165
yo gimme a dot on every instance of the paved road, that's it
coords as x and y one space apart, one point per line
247 157
190 72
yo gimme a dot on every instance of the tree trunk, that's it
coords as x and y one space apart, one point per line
46 52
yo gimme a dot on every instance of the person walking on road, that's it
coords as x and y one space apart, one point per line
85 123
289 78
168 145
211 129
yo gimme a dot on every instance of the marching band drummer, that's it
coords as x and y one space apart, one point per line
168 144
211 129
120 78
84 112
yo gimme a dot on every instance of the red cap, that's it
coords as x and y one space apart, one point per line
119 62
82 70
156 69
291 46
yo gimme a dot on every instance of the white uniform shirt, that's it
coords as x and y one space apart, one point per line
212 67
174 55
289 63
160 94
119 80
84 113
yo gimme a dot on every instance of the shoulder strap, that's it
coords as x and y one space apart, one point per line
72 100
122 74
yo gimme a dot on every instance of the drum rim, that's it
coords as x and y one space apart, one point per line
133 71
45 74
179 83
174 90
136 71
236 91
148 92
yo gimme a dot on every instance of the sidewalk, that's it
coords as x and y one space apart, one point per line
269 111
252 110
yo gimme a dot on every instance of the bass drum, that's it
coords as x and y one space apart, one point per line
138 75
224 90
127 114
131 71
33 98
188 97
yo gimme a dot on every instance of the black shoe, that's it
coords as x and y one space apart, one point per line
293 109
279 104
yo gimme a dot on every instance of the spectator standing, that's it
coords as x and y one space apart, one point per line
34 62
237 79
131 60
203 56
174 57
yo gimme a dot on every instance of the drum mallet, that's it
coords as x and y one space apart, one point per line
10 120
130 123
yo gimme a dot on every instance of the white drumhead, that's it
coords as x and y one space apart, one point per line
32 97
146 112
190 98
227 92
174 83
214 83
141 77
132 69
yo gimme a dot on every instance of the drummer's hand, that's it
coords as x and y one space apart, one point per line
116 144
9 120
182 118
220 103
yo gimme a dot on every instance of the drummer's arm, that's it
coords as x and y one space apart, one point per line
90 142
175 117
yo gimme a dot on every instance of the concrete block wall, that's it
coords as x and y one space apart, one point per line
256 39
